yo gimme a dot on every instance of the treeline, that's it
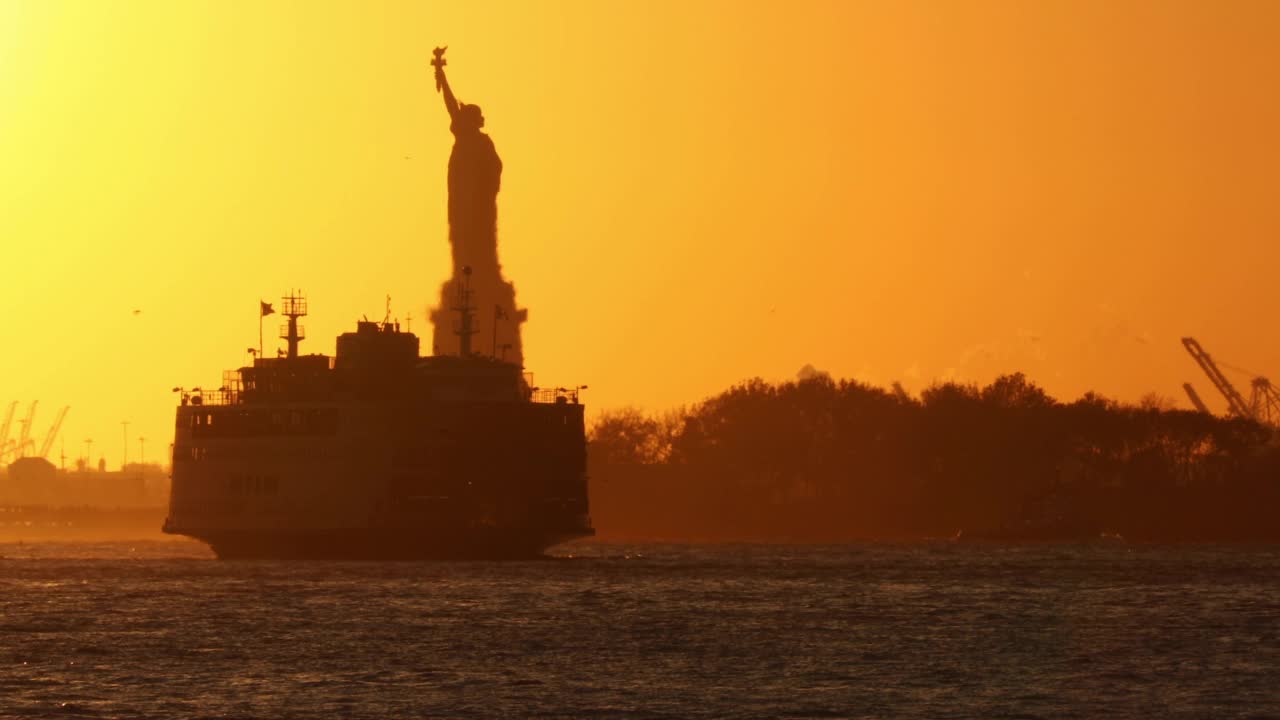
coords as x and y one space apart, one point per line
821 460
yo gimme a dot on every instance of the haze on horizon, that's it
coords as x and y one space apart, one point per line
693 193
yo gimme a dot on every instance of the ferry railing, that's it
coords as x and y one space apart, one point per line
199 397
556 395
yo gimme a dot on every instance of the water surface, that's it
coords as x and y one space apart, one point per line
159 630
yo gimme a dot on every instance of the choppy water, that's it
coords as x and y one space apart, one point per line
161 630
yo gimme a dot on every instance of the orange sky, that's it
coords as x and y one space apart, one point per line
694 193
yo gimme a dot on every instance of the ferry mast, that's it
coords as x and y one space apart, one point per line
294 307
466 326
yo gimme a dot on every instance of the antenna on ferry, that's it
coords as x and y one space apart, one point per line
294 306
465 328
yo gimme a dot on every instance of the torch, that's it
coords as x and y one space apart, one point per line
438 63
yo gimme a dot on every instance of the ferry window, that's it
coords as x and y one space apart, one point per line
208 419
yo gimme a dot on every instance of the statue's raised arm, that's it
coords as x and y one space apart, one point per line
442 83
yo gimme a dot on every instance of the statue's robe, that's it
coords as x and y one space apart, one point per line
475 176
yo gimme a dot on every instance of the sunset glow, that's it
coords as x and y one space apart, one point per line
693 194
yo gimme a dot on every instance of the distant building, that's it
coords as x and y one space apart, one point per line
35 481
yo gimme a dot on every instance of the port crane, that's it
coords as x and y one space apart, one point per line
18 448
1266 401
1263 404
4 430
24 437
53 433
1195 398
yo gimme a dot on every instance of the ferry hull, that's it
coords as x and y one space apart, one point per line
386 544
